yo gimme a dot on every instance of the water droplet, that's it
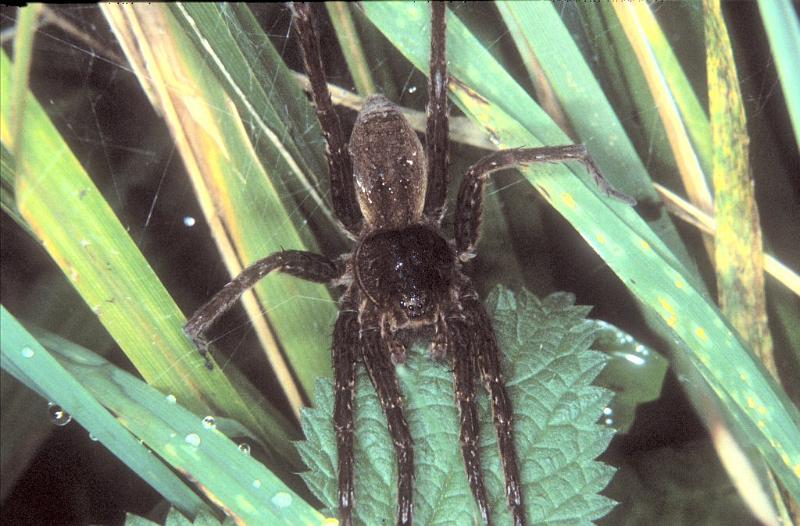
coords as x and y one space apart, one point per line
193 439
209 422
171 399
412 89
57 415
635 360
609 422
608 411
93 437
27 352
281 500
189 221
256 483
244 447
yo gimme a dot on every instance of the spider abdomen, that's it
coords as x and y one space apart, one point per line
388 165
407 270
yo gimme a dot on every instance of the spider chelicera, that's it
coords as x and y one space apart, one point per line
402 276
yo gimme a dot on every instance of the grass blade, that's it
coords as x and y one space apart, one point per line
538 27
240 180
31 363
80 380
351 46
739 254
79 230
23 45
783 31
634 20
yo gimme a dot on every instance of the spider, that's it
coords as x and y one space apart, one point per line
402 276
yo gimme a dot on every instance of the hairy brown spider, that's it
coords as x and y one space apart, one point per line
402 275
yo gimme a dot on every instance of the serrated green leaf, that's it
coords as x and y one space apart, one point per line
174 518
549 371
135 520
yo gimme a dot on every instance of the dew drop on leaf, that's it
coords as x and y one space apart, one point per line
193 439
209 422
57 415
281 500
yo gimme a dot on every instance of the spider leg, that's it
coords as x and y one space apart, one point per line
436 140
306 265
380 368
462 348
470 195
345 346
340 168
487 355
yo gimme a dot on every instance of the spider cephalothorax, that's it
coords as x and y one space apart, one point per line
388 191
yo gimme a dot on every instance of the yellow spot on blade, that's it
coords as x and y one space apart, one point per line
569 200
797 470
245 504
666 304
744 377
679 284
701 334
329 521
602 239
751 403
670 316
762 410
761 424
644 244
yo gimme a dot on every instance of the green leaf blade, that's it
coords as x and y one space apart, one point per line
80 231
285 173
80 381
783 31
24 357
537 25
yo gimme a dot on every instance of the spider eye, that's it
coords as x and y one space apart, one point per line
415 304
